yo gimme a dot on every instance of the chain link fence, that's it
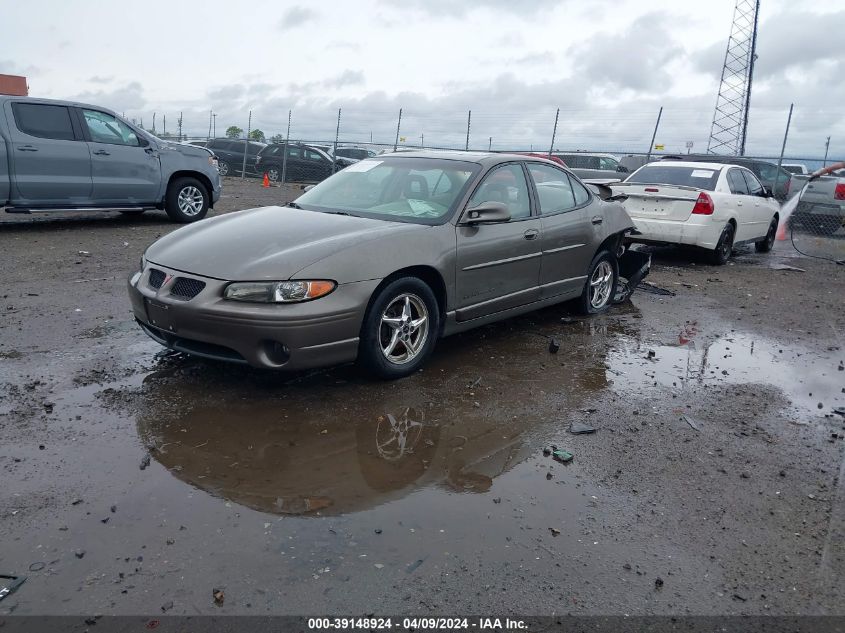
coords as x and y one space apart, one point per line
815 216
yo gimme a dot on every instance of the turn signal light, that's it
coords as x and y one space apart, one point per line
704 205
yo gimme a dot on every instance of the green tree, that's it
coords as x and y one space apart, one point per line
257 135
277 138
233 131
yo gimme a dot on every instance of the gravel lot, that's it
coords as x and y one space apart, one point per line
136 481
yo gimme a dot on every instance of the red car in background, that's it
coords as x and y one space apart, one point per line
554 159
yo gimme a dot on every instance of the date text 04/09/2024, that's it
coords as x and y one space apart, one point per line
411 623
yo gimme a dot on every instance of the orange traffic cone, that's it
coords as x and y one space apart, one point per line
266 183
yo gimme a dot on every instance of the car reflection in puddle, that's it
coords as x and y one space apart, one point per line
335 443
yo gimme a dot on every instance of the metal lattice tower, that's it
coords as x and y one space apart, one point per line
730 120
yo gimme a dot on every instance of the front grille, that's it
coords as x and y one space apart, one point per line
156 278
186 288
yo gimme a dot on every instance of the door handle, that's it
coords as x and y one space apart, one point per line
739 203
531 234
597 219
27 148
101 152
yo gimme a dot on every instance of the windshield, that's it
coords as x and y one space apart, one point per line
698 177
418 190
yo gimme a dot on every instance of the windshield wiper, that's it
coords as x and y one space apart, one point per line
293 205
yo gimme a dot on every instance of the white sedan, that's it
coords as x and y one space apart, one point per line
710 205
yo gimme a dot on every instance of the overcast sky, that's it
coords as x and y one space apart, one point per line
607 64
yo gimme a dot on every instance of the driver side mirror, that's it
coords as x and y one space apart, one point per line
486 213
622 169
767 193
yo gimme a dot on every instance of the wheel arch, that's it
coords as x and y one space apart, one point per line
427 274
209 188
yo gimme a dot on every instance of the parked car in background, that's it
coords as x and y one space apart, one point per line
821 209
795 168
583 160
380 260
230 155
305 163
632 162
765 171
198 143
551 157
355 153
62 155
713 206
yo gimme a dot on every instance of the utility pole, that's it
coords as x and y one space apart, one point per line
654 136
782 149
180 126
207 138
469 119
398 125
154 122
334 151
246 145
826 148
164 124
285 156
554 132
490 144
422 140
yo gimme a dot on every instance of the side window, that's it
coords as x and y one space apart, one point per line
737 183
505 184
310 154
767 171
607 164
293 151
104 128
553 188
754 186
582 196
254 149
43 121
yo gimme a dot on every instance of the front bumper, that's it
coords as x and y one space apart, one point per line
292 336
699 230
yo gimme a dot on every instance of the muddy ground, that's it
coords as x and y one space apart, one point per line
137 481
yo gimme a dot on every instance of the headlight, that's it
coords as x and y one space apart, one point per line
278 291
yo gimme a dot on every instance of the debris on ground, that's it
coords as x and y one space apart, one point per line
167 606
562 456
554 346
554 531
37 566
413 566
10 584
691 422
658 582
145 462
580 428
787 267
647 286
549 475
79 553
218 596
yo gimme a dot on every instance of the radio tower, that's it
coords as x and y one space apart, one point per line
730 120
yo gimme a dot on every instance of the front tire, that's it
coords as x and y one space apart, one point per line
724 247
223 167
766 244
400 329
186 201
601 284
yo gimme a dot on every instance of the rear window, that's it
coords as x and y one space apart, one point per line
43 121
698 177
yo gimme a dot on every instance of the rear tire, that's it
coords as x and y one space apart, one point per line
400 329
766 244
724 247
601 284
274 174
223 167
186 200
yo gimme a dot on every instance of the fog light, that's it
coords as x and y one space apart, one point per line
276 352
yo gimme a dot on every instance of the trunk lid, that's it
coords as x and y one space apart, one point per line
660 202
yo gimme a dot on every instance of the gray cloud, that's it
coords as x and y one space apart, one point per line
96 79
11 67
608 57
460 8
346 78
296 16
122 99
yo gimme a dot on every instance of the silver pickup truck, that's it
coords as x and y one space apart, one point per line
60 155
821 208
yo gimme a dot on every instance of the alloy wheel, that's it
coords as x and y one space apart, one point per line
190 201
404 328
601 285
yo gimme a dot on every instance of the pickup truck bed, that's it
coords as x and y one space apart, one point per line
821 209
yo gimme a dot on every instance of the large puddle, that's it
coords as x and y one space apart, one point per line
336 443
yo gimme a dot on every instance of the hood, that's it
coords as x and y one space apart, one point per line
270 243
183 148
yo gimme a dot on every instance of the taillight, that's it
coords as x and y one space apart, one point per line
652 189
839 193
704 205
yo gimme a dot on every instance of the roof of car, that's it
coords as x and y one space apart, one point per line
715 158
577 153
483 158
692 164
